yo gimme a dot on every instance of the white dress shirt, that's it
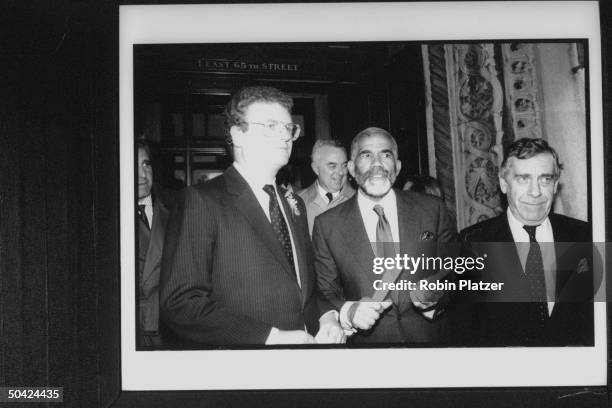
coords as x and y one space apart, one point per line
544 234
370 218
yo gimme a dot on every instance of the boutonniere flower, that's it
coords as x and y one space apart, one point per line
292 203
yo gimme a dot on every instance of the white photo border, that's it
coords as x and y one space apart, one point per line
354 368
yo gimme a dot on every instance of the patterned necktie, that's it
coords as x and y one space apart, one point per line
385 246
143 215
279 225
329 196
534 270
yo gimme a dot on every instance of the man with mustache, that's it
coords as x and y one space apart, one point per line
344 252
547 287
330 189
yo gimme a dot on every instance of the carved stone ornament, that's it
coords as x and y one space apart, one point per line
475 100
521 89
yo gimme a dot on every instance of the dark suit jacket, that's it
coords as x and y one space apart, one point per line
344 256
225 279
149 265
507 323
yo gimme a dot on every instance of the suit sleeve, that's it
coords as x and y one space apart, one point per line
328 279
186 302
447 226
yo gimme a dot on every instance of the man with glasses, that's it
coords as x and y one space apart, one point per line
238 265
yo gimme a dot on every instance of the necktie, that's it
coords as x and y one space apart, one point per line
383 229
534 270
329 196
385 246
143 215
279 225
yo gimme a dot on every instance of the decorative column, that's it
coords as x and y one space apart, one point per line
475 100
542 96
439 143
521 90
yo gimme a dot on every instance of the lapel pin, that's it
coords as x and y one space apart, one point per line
427 236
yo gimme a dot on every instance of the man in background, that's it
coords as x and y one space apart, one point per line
152 213
331 187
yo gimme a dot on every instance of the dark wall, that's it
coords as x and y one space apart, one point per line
59 252
59 222
366 84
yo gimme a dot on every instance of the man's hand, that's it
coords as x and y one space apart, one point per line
330 331
289 337
366 313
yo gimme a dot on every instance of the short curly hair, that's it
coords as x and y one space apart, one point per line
235 110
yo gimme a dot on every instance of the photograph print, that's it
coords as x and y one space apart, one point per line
394 193
473 142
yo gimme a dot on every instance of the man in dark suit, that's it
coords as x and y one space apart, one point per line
152 217
344 255
238 265
547 275
331 187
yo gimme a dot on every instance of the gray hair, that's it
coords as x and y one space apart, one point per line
526 148
371 131
320 144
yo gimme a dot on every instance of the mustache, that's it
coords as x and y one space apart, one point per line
376 171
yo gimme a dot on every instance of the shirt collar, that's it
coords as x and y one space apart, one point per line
517 226
147 201
388 201
323 192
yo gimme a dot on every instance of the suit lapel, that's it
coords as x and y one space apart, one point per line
297 232
503 232
560 232
156 242
407 221
566 248
246 203
356 238
512 271
409 230
319 202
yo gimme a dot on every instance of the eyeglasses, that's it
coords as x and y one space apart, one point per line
291 131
